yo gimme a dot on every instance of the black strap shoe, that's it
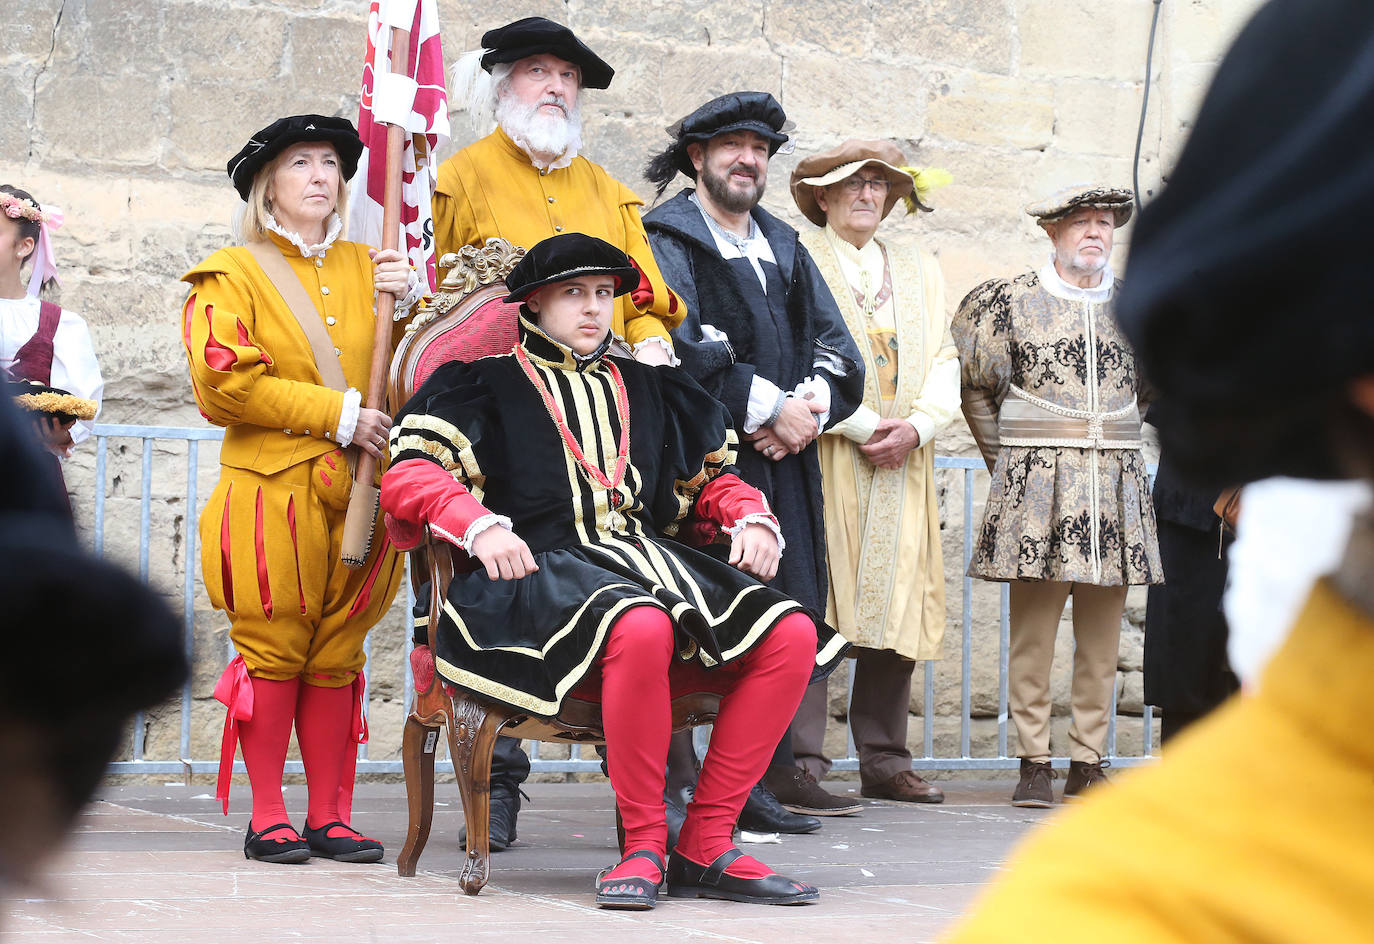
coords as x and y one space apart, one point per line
687 879
354 848
633 893
763 813
279 851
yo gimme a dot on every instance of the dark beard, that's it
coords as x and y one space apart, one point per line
732 201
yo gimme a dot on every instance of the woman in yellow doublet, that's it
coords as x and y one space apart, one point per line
272 530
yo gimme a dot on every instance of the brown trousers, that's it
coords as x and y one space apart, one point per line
877 717
1035 610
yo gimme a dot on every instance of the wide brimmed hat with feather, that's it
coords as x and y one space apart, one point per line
911 184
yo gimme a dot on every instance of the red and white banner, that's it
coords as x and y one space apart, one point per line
419 104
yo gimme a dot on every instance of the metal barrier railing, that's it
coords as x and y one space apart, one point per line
578 760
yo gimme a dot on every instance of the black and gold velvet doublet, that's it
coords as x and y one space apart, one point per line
528 642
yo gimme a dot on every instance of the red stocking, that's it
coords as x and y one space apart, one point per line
324 718
264 740
637 713
753 715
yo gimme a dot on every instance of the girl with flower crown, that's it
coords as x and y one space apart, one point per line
39 341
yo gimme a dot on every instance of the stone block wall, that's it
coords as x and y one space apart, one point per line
125 113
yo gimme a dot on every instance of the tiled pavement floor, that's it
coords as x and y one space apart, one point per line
160 865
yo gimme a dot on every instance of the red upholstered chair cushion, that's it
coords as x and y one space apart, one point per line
488 329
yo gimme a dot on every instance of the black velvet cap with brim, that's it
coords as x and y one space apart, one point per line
1248 295
569 256
535 35
284 132
758 112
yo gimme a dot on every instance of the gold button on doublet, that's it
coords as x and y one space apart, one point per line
319 263
307 432
337 351
550 199
331 321
558 229
287 432
324 289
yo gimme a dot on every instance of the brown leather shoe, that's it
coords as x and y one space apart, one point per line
904 786
799 792
1082 776
1034 789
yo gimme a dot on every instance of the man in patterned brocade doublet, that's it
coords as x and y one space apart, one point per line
1051 392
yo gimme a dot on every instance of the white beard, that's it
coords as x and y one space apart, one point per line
1082 265
547 138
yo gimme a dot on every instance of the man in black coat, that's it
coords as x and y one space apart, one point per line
763 334
1186 669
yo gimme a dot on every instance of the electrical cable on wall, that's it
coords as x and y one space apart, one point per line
1144 105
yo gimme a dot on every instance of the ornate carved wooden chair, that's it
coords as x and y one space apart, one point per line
464 321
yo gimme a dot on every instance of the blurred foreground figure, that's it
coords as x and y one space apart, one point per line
1260 239
87 646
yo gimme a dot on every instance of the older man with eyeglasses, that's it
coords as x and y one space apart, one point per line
882 521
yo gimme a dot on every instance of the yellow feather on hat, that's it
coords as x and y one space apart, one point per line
925 180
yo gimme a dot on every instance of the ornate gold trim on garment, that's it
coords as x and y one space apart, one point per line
882 492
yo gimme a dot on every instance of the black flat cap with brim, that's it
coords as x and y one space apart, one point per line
1248 298
758 112
533 36
569 256
284 132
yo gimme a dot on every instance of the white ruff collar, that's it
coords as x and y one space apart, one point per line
1056 286
307 252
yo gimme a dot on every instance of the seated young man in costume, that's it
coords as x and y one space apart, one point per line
527 462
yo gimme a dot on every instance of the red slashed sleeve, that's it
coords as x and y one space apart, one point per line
416 494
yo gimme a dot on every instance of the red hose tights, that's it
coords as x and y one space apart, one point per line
263 740
764 688
323 719
637 715
753 715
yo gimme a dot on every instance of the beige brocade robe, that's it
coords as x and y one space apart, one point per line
882 526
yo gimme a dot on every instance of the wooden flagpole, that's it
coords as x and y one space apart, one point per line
358 531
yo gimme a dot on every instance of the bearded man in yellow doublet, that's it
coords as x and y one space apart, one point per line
882 523
526 181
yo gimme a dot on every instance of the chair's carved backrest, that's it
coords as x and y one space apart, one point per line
465 320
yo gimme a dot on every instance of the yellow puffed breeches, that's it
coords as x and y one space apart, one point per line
270 559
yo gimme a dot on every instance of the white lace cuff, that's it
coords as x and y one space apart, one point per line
662 342
763 518
415 290
480 525
348 417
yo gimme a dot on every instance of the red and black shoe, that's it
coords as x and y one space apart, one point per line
688 879
352 848
286 850
634 892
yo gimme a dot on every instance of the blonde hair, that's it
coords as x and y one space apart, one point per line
250 220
